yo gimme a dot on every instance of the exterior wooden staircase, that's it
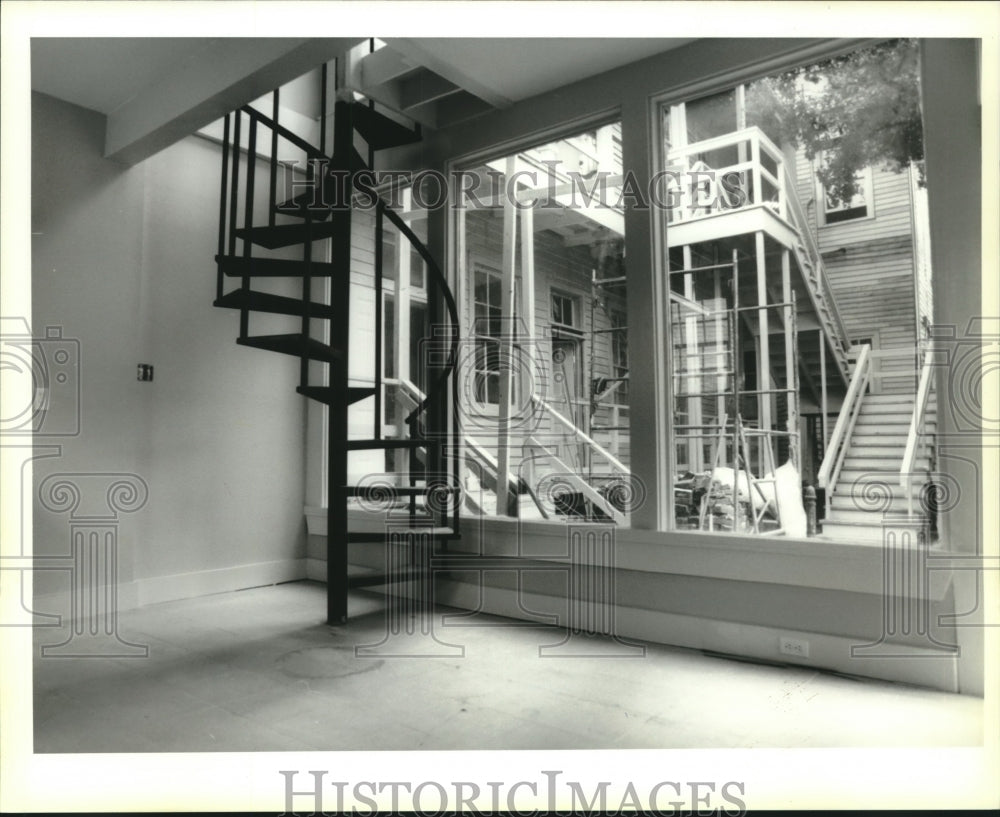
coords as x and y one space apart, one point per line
324 211
880 462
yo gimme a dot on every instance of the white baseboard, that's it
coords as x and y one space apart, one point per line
920 666
316 569
156 589
201 583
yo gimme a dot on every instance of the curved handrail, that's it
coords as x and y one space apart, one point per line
383 209
833 459
414 393
311 151
435 271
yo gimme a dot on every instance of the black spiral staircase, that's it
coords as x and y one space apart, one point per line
429 499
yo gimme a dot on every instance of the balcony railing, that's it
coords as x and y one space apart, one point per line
725 174
742 170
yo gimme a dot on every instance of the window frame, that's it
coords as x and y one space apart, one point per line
485 408
659 129
867 192
619 348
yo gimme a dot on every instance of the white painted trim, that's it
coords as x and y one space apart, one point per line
204 582
315 520
751 219
853 567
176 586
928 668
867 190
922 666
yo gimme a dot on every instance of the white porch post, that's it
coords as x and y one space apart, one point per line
764 345
401 340
507 314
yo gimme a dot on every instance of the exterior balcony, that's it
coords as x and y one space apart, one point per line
730 188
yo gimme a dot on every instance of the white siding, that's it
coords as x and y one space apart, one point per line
568 270
869 261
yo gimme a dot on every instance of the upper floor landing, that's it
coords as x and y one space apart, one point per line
730 185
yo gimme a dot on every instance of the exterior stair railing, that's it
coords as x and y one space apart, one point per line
836 451
820 292
917 440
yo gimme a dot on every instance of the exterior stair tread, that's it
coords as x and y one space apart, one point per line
858 516
887 420
896 503
892 431
887 408
873 451
897 519
892 397
853 474
883 462
845 484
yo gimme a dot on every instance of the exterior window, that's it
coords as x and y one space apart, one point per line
390 241
416 372
417 266
487 295
563 313
619 356
860 206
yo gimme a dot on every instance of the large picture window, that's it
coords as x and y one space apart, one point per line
544 311
779 423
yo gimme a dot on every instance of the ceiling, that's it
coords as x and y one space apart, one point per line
104 74
518 68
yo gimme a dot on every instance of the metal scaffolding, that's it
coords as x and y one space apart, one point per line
726 408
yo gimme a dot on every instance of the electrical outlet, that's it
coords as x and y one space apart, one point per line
793 646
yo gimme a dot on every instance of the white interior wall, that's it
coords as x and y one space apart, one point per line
123 261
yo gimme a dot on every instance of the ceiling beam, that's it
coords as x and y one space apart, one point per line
422 54
384 65
209 85
422 87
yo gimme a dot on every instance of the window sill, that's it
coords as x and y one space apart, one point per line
798 562
820 564
847 222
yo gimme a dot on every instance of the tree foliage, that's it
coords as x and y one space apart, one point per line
860 109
